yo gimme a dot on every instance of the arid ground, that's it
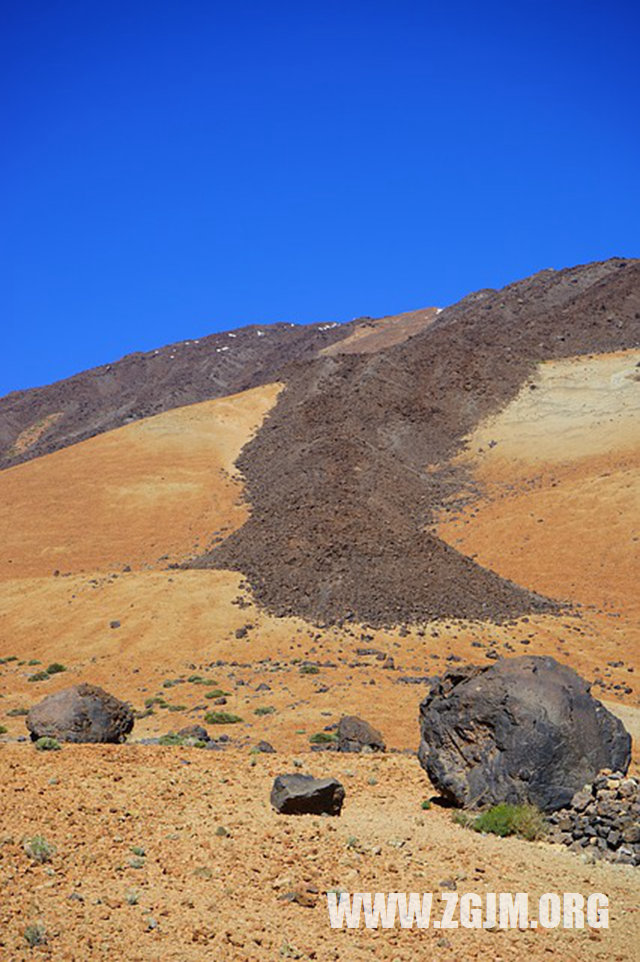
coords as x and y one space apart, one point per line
174 853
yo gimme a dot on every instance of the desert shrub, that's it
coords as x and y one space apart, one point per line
426 805
39 676
524 820
197 680
46 744
38 849
264 710
463 818
309 670
34 661
171 739
17 712
132 897
5 661
138 850
35 934
221 718
143 713
55 668
216 693
156 700
3 730
323 738
176 707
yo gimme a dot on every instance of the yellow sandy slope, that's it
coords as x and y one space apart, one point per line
560 474
161 486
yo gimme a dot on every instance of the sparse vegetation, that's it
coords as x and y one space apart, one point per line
143 713
171 739
156 700
3 730
138 850
39 676
309 670
38 849
323 738
132 897
221 718
216 693
264 710
55 668
46 744
526 821
5 661
426 805
17 712
35 934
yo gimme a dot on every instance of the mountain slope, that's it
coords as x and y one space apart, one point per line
348 472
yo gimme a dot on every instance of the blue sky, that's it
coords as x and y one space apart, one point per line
174 168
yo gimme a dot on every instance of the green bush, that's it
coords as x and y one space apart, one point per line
156 700
216 693
323 738
46 744
55 668
171 739
264 710
35 934
221 718
309 670
17 712
525 821
3 730
39 676
38 849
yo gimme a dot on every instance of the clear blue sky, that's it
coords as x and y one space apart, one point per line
174 168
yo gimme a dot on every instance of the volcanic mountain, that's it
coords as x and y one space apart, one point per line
356 472
269 528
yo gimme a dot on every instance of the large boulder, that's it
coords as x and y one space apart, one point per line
354 735
83 713
521 730
305 795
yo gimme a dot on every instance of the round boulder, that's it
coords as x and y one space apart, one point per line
83 713
521 730
356 735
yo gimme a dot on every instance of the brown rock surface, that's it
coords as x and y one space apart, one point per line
82 713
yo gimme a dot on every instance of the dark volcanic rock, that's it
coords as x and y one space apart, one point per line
195 731
305 795
354 734
605 814
144 384
83 713
522 730
342 508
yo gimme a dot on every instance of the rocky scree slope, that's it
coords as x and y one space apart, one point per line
348 470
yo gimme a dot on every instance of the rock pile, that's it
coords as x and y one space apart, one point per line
603 818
